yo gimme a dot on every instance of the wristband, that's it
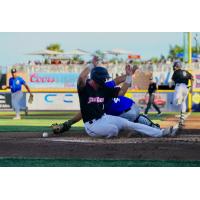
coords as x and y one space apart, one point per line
128 79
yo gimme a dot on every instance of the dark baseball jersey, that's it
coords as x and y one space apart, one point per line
152 88
181 76
92 101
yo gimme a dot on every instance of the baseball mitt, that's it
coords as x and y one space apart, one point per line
30 100
60 128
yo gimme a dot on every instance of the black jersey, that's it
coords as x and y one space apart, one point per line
92 101
181 76
152 88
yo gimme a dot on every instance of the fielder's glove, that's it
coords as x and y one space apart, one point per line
30 100
60 128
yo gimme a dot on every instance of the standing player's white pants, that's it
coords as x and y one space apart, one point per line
180 96
16 101
109 126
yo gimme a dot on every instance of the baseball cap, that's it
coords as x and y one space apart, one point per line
13 71
177 63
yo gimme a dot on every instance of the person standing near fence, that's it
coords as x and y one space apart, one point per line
151 91
15 84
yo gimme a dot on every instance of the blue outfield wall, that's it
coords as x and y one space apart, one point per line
163 99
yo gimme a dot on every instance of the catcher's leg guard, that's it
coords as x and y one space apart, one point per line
142 119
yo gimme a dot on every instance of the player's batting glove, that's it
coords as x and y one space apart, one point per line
30 100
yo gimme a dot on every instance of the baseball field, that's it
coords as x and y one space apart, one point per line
21 144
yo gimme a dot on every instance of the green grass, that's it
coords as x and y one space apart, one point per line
34 122
40 121
27 162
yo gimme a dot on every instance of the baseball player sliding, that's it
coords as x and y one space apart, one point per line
93 95
121 106
15 84
181 78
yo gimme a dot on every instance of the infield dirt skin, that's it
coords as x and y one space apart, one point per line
76 144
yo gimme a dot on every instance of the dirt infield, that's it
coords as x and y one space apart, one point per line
76 144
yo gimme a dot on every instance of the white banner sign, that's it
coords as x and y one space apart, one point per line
54 101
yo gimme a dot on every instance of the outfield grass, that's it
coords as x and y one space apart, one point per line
40 121
27 162
34 122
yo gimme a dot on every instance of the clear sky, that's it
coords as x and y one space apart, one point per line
15 46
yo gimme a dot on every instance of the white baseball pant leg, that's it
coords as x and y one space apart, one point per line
132 114
109 126
16 101
180 96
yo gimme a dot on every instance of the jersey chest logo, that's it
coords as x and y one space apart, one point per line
95 100
116 100
17 82
184 73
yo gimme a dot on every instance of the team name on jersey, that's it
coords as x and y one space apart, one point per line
95 100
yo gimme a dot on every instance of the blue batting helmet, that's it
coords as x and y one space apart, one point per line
99 75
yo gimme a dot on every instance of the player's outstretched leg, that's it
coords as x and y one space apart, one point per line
124 124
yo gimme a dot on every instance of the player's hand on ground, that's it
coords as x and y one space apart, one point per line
4 87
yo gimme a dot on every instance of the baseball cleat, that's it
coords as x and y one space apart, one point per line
17 118
159 114
181 124
171 131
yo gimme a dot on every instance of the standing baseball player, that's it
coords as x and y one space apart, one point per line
151 91
15 84
181 79
93 94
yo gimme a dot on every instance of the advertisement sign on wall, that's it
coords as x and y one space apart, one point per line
54 101
163 100
70 101
197 80
5 101
196 102
53 80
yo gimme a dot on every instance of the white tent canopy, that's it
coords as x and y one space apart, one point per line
77 52
45 53
118 52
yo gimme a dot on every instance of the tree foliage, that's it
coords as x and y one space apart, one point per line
55 47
